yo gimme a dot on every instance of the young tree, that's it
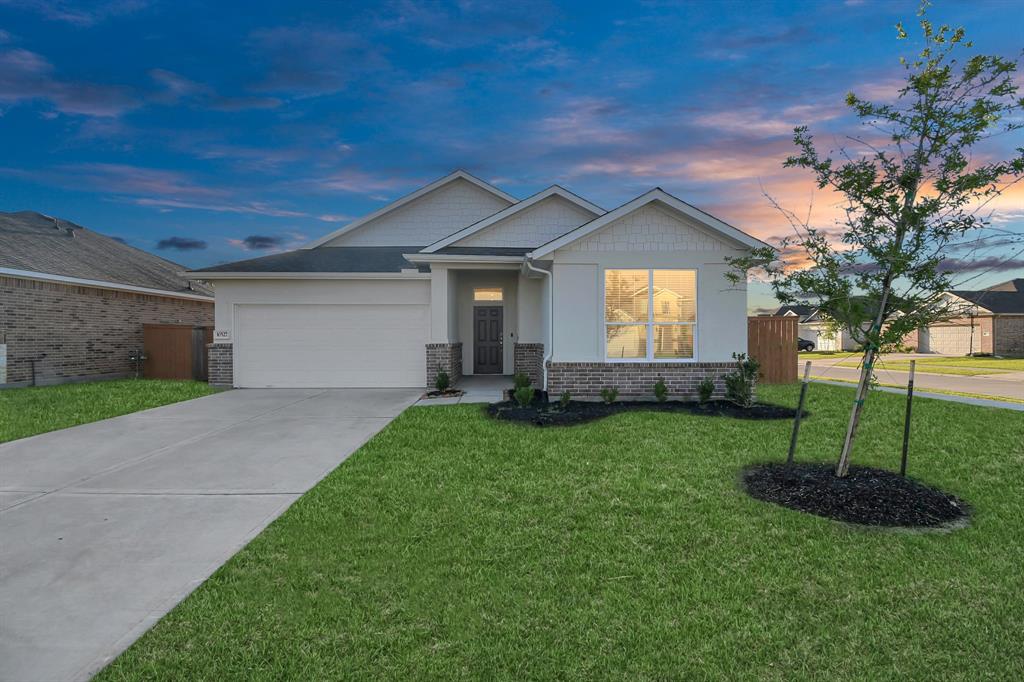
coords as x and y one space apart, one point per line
912 190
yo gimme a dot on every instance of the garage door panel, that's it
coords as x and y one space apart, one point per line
954 339
331 345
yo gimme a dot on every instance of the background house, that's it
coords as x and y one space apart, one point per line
73 302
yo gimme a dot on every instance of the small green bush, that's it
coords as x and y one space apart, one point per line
609 394
705 389
739 385
524 395
443 381
520 379
660 390
564 399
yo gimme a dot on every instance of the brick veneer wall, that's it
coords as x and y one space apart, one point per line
1009 335
635 379
220 367
528 358
444 356
78 333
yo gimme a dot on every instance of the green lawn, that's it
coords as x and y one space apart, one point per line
28 411
456 547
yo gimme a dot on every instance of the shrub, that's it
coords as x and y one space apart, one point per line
524 395
609 394
706 389
660 390
564 399
520 379
443 381
739 385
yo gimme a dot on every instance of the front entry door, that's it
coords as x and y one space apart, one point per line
487 334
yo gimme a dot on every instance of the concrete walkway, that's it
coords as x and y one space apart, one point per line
106 526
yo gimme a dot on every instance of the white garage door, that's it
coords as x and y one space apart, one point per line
336 345
953 339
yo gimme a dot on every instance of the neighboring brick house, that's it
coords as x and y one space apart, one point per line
992 321
73 302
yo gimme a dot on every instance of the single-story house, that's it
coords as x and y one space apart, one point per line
460 276
989 321
813 328
73 302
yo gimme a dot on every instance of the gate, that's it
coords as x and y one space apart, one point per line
175 351
772 342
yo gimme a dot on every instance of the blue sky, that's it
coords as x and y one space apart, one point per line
208 132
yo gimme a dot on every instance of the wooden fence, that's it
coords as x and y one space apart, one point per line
772 342
175 351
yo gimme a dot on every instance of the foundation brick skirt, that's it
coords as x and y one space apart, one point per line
528 358
636 379
446 357
221 368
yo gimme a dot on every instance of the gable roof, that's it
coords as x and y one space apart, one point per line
803 311
1005 297
32 242
480 225
657 194
408 198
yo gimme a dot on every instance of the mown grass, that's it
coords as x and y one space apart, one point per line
943 391
452 546
29 411
965 366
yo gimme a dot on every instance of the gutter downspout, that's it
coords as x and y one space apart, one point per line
549 349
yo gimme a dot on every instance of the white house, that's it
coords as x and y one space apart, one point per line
462 277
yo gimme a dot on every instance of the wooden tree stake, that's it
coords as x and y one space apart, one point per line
799 414
906 422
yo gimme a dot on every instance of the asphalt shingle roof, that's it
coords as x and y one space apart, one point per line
1002 298
34 242
325 259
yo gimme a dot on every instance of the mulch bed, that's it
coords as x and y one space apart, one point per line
447 393
866 496
579 412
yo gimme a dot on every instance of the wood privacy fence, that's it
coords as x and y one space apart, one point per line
772 342
175 351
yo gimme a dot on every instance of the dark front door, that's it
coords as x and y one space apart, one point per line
487 333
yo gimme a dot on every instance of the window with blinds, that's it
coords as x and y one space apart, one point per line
650 314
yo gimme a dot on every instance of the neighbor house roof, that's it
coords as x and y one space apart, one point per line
451 177
655 195
510 211
333 259
1003 298
35 243
803 311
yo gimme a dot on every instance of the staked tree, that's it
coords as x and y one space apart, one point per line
912 190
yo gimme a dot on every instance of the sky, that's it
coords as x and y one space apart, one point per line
211 132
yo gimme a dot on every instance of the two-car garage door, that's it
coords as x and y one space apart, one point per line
330 345
952 339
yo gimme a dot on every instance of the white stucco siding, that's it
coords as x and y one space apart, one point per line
427 219
538 224
228 294
579 300
649 228
532 310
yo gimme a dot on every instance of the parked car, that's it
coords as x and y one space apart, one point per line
804 345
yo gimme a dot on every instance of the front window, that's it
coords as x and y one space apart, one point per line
650 314
487 294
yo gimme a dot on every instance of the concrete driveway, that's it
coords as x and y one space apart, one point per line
105 527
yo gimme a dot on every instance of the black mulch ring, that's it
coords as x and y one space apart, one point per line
578 412
866 496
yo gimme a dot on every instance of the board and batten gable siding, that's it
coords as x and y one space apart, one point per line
650 237
427 219
538 224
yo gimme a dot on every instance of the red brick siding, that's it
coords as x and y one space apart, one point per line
77 333
220 364
444 356
528 358
1009 335
635 379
